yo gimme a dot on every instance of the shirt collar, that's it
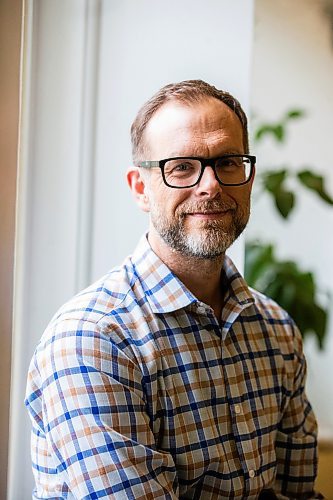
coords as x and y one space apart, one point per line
236 286
166 293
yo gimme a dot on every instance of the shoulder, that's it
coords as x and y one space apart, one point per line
91 329
278 323
86 315
270 309
100 298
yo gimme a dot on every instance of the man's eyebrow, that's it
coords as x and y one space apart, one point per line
232 152
176 154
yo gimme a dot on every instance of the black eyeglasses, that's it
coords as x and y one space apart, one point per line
185 172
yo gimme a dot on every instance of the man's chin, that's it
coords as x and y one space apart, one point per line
205 254
203 239
209 247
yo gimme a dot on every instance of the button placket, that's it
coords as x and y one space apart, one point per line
239 425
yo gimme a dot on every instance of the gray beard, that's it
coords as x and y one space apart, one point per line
209 242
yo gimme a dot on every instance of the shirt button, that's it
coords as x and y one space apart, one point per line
237 409
201 310
252 473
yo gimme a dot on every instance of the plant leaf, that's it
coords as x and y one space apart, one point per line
273 180
284 199
265 129
279 132
276 130
295 113
257 257
292 288
316 183
285 202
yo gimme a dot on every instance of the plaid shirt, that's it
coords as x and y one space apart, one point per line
136 390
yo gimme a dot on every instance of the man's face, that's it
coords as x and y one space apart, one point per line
202 221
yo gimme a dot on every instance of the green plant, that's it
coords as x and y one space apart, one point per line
275 181
294 289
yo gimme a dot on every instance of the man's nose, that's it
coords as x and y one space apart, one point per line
208 184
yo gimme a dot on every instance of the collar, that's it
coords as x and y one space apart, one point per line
166 293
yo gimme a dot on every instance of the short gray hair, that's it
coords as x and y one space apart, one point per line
187 92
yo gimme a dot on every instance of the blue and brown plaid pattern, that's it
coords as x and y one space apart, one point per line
137 391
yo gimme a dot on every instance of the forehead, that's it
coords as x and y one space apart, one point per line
199 128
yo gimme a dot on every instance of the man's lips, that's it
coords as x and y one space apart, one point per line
210 214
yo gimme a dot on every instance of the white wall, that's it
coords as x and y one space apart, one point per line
87 67
293 67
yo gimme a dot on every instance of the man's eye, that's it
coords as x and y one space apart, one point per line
175 167
230 163
183 167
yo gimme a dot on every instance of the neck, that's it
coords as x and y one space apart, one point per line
201 276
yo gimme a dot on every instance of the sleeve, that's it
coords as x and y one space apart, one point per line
95 419
296 441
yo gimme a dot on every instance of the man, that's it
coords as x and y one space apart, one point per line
169 378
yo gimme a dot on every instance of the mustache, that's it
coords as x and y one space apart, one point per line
207 206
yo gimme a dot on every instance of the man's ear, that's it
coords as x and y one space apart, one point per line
137 185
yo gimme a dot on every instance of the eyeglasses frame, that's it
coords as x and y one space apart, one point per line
205 162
